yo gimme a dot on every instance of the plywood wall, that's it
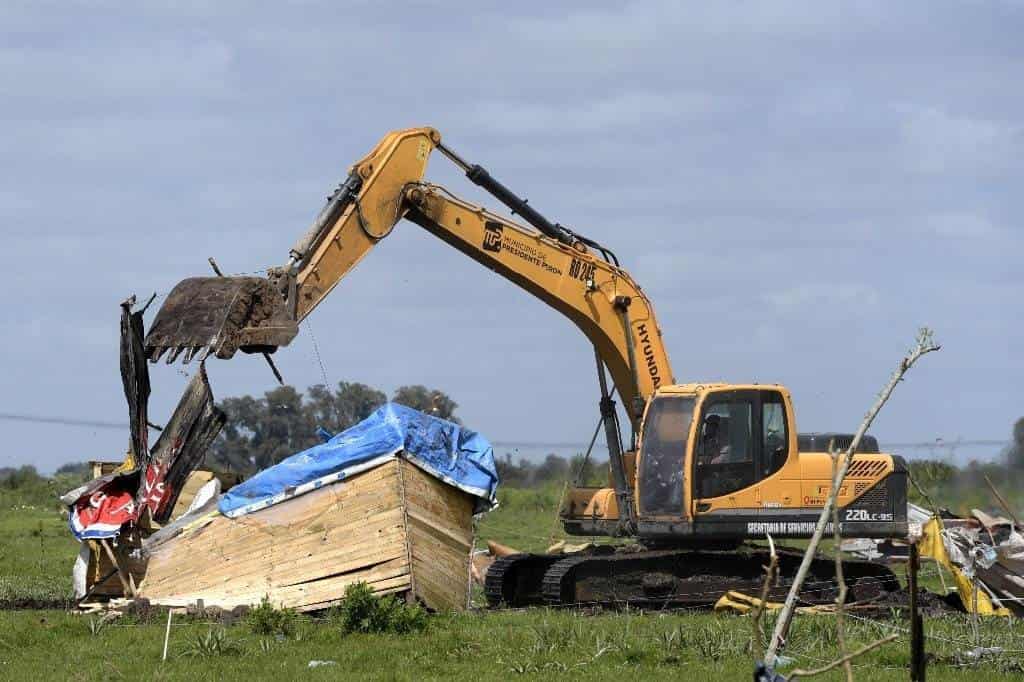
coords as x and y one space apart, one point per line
393 527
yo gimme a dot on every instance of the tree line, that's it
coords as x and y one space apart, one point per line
260 432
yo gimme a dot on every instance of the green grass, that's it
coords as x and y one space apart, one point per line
36 548
524 520
37 551
534 644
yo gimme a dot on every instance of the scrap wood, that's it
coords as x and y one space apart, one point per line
481 561
563 547
737 602
125 583
1002 501
499 550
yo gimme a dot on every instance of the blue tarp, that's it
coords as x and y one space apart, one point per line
454 454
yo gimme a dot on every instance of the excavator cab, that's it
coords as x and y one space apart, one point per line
722 462
721 441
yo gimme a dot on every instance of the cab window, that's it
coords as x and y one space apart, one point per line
663 454
743 438
725 452
775 442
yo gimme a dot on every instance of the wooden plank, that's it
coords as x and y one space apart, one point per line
442 581
240 564
291 595
225 535
239 558
340 559
383 586
453 565
440 536
195 481
456 536
302 552
307 592
451 506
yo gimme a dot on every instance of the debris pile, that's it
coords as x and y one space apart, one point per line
984 554
142 492
388 502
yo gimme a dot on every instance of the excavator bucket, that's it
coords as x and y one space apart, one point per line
217 316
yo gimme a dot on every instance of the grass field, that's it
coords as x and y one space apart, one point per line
36 553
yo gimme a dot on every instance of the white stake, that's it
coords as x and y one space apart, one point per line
167 635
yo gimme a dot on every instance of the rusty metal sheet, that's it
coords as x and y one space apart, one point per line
135 377
180 448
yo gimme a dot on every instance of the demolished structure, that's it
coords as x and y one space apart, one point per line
389 502
983 554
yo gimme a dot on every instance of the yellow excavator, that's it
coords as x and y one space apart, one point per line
705 466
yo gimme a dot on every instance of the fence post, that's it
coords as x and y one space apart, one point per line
917 660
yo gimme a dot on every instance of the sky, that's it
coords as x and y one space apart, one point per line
798 187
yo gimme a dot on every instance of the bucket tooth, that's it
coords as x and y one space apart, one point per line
187 357
173 355
156 352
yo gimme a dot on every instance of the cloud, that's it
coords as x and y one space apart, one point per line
823 296
941 142
765 171
613 113
962 226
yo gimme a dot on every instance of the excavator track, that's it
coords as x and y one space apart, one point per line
515 580
671 578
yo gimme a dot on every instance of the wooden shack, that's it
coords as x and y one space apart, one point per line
394 527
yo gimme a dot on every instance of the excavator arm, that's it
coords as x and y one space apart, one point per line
600 298
563 269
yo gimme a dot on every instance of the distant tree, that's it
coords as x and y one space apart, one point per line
427 400
552 469
260 432
511 474
23 477
350 404
555 469
589 472
1015 453
75 469
263 431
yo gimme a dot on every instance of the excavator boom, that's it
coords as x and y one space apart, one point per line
577 276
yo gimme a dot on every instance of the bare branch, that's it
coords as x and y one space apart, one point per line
841 597
770 572
1002 501
924 345
845 660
